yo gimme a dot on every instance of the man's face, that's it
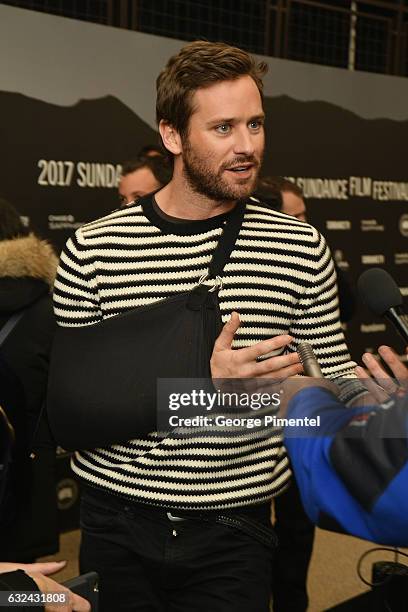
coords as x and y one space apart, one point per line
222 152
293 205
137 184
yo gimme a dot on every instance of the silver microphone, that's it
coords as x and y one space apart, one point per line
308 360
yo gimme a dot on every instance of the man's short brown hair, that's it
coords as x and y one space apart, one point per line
200 64
278 184
159 166
270 189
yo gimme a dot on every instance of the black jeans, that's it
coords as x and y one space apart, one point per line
148 563
295 533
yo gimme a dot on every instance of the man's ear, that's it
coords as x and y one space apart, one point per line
170 137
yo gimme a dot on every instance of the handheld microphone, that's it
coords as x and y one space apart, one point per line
308 360
380 293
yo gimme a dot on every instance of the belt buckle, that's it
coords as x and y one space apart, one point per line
173 518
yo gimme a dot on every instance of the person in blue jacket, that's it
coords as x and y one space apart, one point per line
352 469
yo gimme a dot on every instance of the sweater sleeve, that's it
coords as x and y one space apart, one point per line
317 321
76 298
18 581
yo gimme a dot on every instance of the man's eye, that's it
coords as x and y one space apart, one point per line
255 125
224 128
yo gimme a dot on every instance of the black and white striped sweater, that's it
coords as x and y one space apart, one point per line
279 278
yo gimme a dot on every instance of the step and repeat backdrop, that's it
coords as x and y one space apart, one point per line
78 99
354 175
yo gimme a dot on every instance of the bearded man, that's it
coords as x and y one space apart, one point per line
174 524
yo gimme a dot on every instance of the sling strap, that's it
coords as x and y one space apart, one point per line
10 325
227 240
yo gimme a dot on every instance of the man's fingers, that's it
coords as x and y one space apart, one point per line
79 604
371 386
224 340
291 370
392 360
380 375
251 353
274 364
382 378
374 367
46 568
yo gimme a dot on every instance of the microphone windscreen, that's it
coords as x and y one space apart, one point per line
379 291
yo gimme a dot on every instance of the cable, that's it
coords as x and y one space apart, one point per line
396 552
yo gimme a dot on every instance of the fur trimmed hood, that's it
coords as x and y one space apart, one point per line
28 257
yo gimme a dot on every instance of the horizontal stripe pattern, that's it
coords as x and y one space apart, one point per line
280 278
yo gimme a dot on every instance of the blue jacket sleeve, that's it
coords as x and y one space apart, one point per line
352 470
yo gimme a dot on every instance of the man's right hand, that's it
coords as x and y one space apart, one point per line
242 363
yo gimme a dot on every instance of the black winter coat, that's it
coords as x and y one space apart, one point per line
28 519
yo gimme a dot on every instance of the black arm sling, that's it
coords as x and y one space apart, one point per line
103 377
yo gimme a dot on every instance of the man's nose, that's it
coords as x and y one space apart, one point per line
244 142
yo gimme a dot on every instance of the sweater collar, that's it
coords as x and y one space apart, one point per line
168 226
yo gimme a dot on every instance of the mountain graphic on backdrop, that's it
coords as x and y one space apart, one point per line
92 130
298 135
302 139
320 139
101 131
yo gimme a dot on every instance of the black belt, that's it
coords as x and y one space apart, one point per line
246 519
265 534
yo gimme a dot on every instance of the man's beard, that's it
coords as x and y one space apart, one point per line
203 180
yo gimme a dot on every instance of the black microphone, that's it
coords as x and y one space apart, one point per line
381 294
308 360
